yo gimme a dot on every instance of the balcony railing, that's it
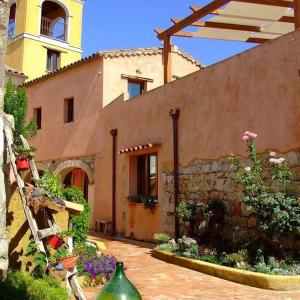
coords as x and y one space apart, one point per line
11 29
54 29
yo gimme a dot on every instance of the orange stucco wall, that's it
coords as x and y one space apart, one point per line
257 90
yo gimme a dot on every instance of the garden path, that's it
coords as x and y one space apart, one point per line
159 280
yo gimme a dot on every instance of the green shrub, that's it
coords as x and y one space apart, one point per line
236 258
21 286
81 222
161 238
15 104
186 211
212 258
170 246
277 210
188 247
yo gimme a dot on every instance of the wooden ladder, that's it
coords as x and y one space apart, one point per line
39 234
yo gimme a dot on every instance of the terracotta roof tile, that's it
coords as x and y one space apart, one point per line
116 54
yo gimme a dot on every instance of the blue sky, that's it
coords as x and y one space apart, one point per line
116 24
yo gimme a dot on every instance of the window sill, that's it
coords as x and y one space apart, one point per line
139 203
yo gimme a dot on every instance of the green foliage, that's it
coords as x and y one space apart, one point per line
214 206
161 238
39 260
236 258
15 104
85 252
170 246
186 211
21 286
212 258
187 247
59 254
31 249
51 185
277 211
81 222
149 201
22 152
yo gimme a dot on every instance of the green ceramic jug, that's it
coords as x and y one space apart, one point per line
119 287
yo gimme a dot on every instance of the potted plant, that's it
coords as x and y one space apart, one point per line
55 241
149 201
62 259
23 157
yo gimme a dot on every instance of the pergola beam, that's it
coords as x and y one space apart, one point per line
219 12
296 6
196 16
193 35
279 3
219 25
214 8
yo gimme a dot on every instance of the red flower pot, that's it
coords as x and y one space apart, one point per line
69 262
23 164
55 241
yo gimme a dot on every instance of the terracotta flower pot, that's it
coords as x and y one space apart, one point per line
55 241
69 262
23 164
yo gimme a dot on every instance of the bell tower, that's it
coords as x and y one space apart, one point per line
44 35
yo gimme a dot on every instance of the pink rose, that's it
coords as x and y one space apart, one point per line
245 138
253 135
247 169
272 154
246 132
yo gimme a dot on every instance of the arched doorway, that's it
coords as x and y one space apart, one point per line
79 179
78 173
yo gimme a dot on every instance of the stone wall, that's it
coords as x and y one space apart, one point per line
205 180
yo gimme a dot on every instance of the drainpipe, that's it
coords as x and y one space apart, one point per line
114 133
174 114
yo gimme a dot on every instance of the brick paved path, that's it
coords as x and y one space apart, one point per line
158 280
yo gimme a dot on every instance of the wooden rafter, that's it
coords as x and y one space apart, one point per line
196 16
222 25
194 35
279 3
214 8
219 12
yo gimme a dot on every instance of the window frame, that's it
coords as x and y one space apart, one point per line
50 61
11 29
37 115
67 118
142 83
147 176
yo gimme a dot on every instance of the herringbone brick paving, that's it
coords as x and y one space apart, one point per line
159 280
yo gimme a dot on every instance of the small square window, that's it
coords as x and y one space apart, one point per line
37 115
69 110
136 88
52 60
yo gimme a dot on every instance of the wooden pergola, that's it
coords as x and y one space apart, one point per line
252 21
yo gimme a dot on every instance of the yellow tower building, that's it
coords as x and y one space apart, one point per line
44 35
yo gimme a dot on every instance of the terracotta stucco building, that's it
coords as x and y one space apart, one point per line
70 106
257 90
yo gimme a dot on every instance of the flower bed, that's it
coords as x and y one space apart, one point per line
264 281
95 267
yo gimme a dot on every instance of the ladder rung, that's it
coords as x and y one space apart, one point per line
44 233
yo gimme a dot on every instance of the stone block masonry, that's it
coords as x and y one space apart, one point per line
205 180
